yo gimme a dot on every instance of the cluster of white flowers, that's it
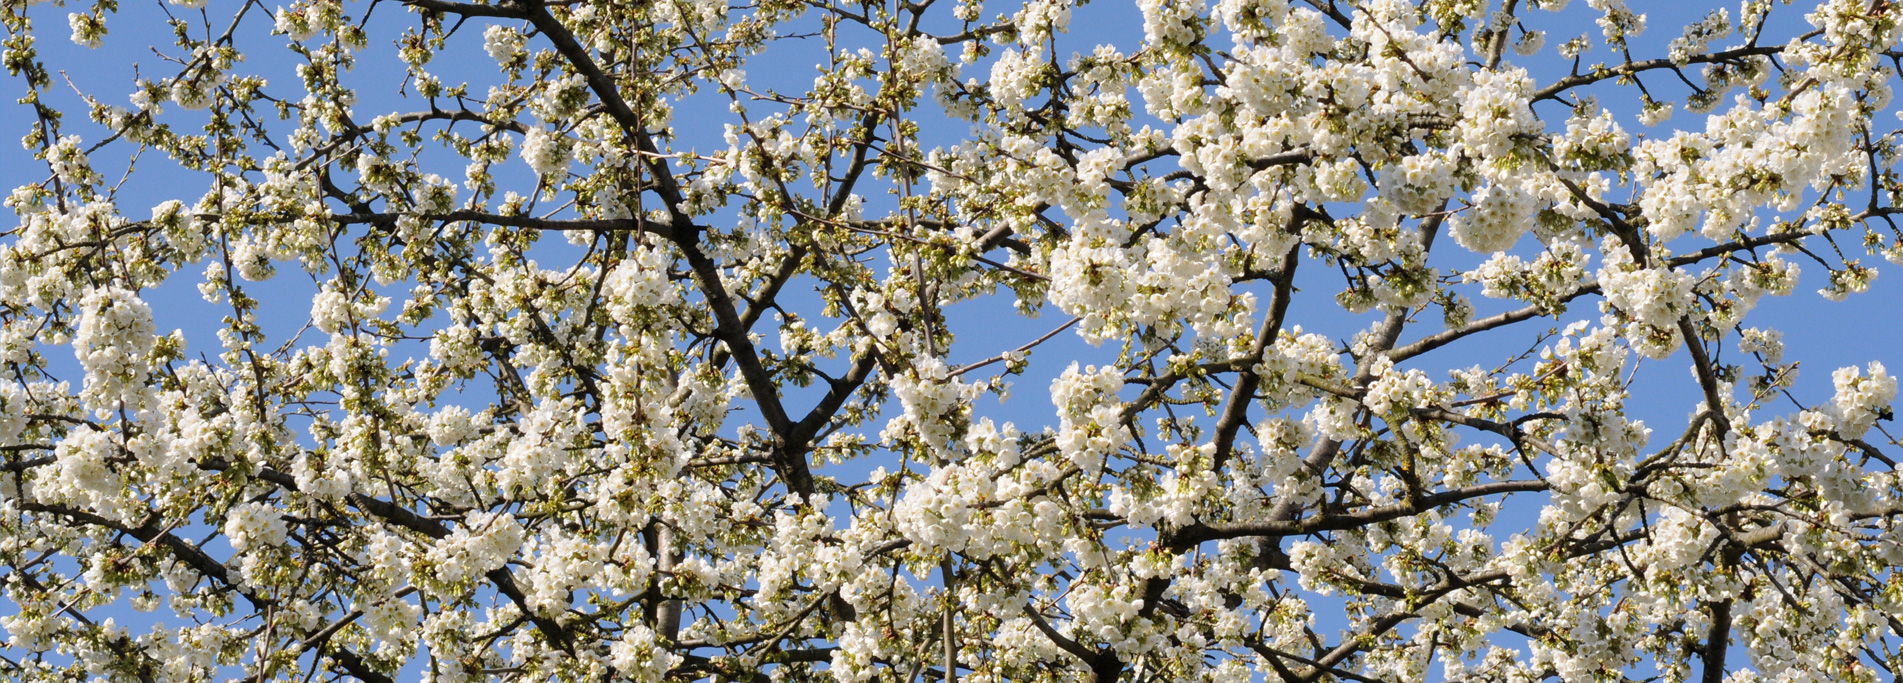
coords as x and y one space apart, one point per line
1397 390
1860 400
114 343
1501 213
1651 299
541 452
1041 18
548 152
1090 428
84 473
1159 281
1529 43
935 404
1670 203
967 510
563 563
1495 110
456 348
504 44
198 85
89 29
392 622
1014 77
1771 275
483 542
304 19
925 58
332 310
1176 499
68 161
641 656
639 284
1420 182
1593 143
323 480
1768 343
1556 274
1317 565
254 525
1617 21
380 175
1697 35
560 99
1105 613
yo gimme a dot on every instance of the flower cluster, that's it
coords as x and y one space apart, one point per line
254 525
547 152
1860 400
114 344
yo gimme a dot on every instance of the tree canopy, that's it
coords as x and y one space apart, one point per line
602 340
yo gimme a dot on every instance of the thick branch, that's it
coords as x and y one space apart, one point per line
1236 411
1629 68
656 228
1192 535
609 92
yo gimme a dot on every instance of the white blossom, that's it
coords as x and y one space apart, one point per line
502 43
254 525
114 343
548 153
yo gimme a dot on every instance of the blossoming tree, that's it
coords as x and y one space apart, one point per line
584 394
